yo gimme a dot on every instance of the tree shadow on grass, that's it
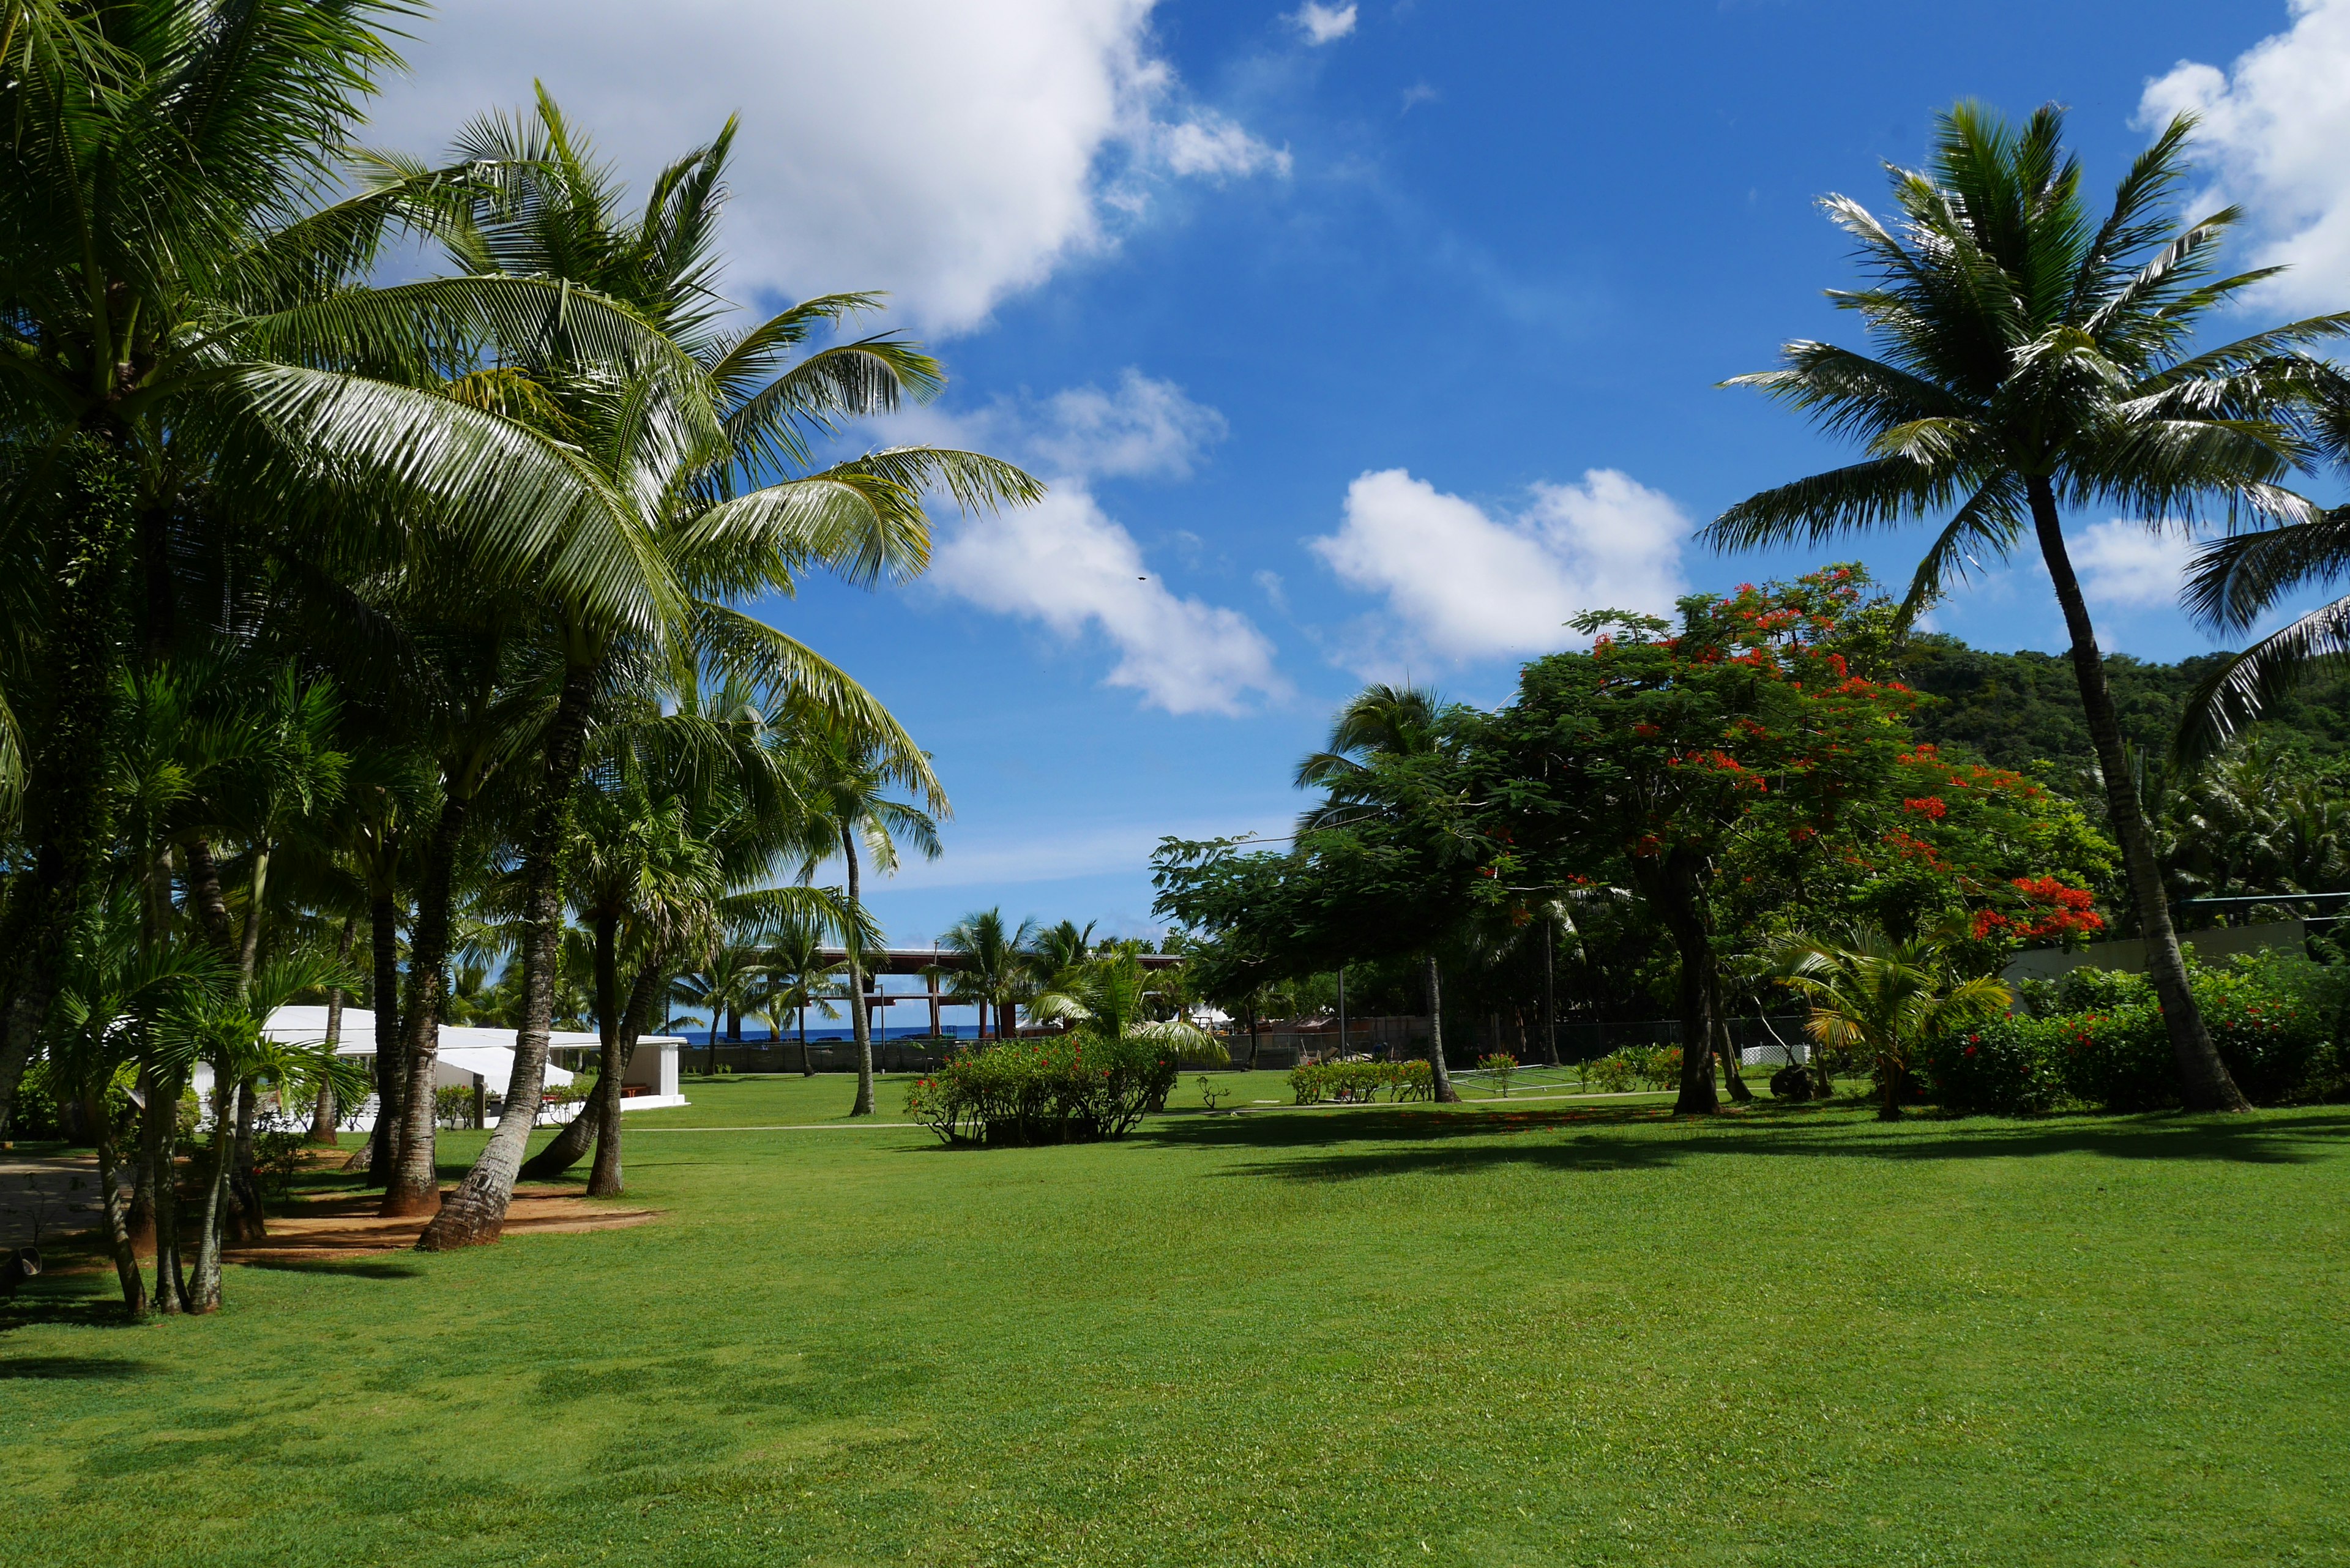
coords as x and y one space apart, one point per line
348 1268
65 1368
1405 1142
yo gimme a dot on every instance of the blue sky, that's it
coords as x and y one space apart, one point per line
1358 340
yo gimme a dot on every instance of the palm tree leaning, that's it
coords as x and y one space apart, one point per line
2033 357
849 776
711 484
1882 998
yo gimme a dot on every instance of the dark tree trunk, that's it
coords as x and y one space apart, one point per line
66 808
1676 891
117 1223
808 1066
158 1131
2203 1080
475 1214
572 1141
413 1185
1550 993
205 1290
323 1114
860 1026
391 1053
606 1179
247 1220
1442 1074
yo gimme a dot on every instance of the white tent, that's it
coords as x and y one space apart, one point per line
471 1056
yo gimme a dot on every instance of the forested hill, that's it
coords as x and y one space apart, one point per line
2014 709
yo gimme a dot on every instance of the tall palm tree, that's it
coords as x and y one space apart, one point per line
2036 356
725 986
1383 720
1058 951
998 971
185 331
1882 998
848 777
717 482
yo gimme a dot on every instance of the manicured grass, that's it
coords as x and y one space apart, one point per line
1564 1333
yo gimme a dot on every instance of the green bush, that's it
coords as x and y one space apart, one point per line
35 1114
1348 1083
2095 1037
1499 1066
1650 1066
1068 1089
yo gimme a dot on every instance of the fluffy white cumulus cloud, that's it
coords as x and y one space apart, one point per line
1070 566
1142 427
1461 584
949 153
2276 126
2128 565
1323 24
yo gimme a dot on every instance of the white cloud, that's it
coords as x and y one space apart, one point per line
1461 584
1209 144
1070 566
1324 24
1144 427
2277 122
2128 565
952 153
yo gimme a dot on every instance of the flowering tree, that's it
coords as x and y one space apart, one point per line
1657 756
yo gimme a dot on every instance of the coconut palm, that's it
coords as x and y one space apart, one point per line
1881 997
189 335
798 976
2036 356
725 510
1058 951
725 985
849 774
997 971
2237 580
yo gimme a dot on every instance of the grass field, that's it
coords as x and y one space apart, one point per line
1553 1332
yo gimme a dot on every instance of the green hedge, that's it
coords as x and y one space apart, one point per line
2095 1038
1068 1089
1348 1081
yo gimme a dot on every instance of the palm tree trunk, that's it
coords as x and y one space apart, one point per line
475 1214
158 1131
604 1178
807 1067
572 1142
205 1291
118 1225
249 948
1441 1077
2203 1080
391 1055
860 1027
66 801
413 1185
322 1114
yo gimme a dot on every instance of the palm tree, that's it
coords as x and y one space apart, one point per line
1873 995
182 326
797 974
2036 355
724 987
849 774
998 969
1383 720
1058 951
716 482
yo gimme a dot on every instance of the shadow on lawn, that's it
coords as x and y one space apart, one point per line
63 1368
346 1268
1408 1142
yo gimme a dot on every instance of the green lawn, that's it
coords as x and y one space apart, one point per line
1564 1333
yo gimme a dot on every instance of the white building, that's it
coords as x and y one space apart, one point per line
472 1057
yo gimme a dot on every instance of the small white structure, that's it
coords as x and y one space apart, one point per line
471 1055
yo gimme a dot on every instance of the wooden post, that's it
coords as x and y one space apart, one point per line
481 1102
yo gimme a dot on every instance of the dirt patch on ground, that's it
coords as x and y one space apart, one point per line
344 1227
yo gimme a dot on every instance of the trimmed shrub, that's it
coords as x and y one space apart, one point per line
2095 1037
1063 1089
1499 1066
1357 1083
